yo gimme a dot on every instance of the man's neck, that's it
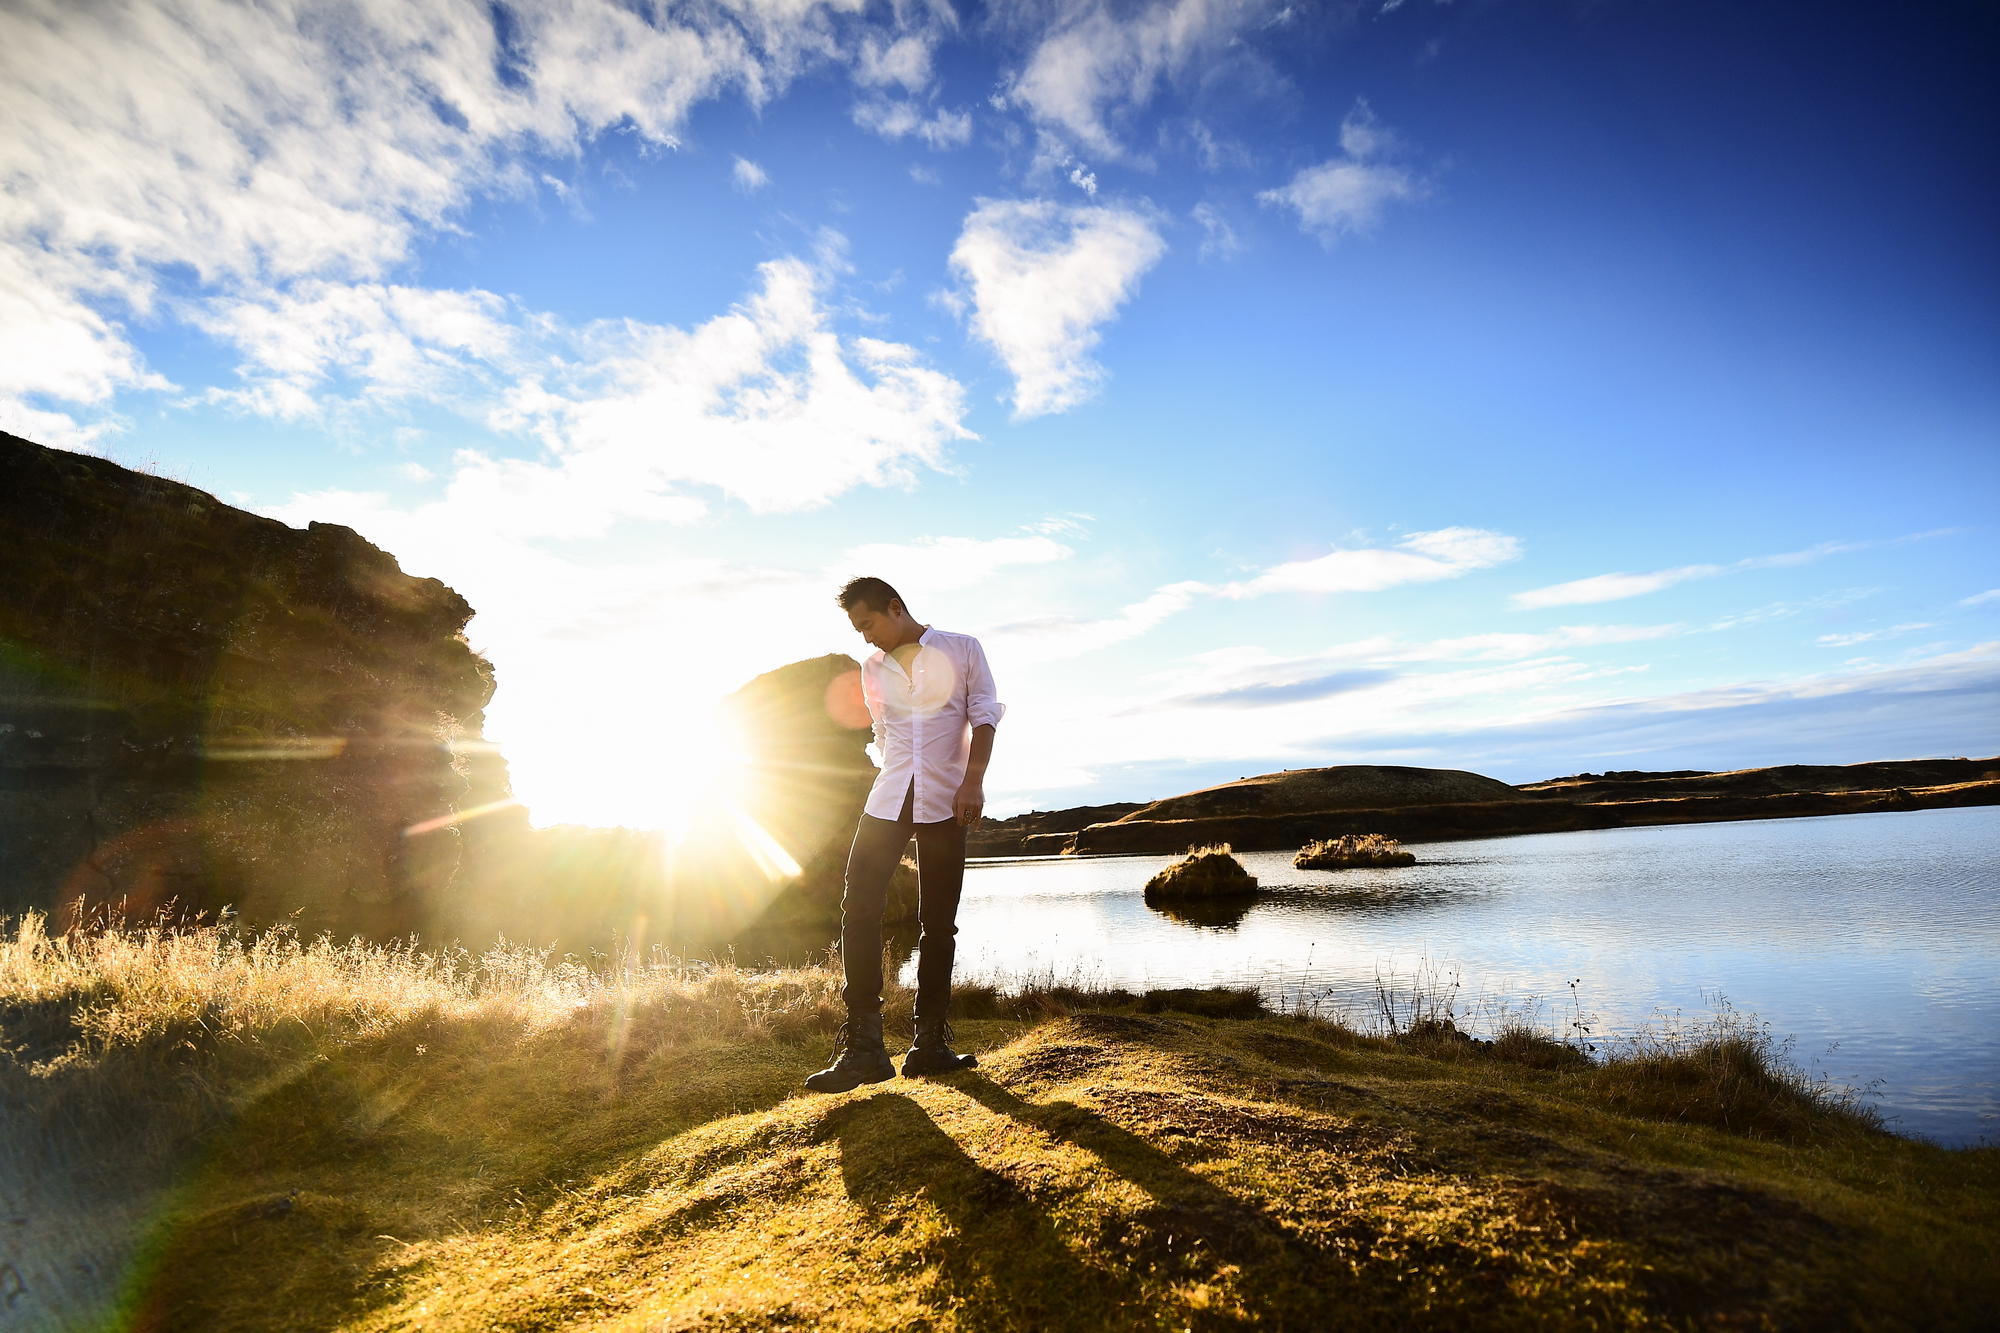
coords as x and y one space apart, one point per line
906 650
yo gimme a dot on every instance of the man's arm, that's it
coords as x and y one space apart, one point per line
971 798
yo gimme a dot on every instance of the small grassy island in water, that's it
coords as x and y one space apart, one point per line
1205 872
1353 849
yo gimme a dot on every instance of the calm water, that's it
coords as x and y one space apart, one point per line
1873 941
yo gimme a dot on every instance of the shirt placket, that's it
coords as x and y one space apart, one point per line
916 738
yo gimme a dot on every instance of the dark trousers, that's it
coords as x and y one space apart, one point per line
878 848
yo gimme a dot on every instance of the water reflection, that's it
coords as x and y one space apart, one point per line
1223 913
1875 939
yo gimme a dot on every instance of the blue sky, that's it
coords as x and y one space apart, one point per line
1525 387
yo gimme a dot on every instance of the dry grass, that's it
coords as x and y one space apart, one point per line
1351 850
277 1133
1204 872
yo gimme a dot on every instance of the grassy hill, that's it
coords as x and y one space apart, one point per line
213 1131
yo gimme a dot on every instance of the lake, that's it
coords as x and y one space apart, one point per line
1871 941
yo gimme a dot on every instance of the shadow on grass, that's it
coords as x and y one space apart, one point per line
1004 1264
1191 1228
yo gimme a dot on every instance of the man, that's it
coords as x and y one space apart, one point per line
930 695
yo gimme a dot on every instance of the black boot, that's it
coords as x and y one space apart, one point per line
931 1052
862 1058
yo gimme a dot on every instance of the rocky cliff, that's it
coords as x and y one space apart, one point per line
200 706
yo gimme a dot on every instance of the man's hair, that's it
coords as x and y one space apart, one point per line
875 594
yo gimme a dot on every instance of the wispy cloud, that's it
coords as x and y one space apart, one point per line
1044 278
1095 63
895 118
1348 193
1422 557
1251 678
1047 638
1610 587
1614 587
1869 636
1981 598
1219 238
748 177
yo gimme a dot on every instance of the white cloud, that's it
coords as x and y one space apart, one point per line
766 404
394 341
1422 557
905 61
1609 587
1347 194
1981 598
1095 61
417 472
893 118
748 177
260 145
1043 277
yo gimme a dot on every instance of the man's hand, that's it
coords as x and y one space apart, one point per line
970 800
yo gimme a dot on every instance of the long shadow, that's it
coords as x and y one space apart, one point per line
1005 1265
1192 1224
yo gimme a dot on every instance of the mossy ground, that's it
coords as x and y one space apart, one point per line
1173 1161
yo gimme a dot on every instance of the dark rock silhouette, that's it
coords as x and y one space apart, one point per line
201 706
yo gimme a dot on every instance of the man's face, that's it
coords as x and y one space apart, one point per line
879 628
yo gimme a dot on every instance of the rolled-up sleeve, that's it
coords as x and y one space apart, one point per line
982 704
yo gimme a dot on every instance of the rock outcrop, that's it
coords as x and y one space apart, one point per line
201 706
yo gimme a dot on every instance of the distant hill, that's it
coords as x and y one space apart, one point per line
1284 810
1342 787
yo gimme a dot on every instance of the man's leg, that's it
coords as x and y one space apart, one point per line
871 860
940 879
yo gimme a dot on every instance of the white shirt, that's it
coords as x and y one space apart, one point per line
924 719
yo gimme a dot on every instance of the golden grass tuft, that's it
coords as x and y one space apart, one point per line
1352 850
1203 872
207 1130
